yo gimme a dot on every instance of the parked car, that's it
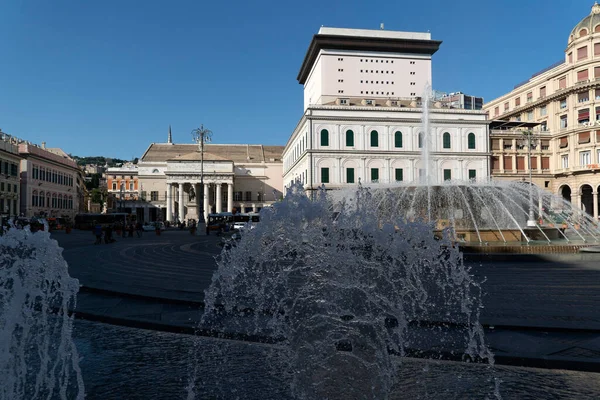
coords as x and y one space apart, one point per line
151 226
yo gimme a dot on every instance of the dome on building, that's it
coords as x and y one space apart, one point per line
588 25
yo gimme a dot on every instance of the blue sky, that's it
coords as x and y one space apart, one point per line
108 77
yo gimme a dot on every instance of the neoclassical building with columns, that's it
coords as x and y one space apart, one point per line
241 176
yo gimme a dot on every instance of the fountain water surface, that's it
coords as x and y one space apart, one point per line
37 356
345 292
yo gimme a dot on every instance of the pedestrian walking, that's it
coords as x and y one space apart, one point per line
98 232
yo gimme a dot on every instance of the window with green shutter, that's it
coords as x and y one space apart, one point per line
349 175
399 174
472 173
398 139
420 140
324 175
349 138
447 174
374 139
471 140
446 140
374 174
324 137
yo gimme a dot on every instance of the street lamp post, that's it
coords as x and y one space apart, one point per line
530 140
201 135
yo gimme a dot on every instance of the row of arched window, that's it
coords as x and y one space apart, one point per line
374 139
51 200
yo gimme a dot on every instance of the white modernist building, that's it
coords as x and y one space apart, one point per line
363 115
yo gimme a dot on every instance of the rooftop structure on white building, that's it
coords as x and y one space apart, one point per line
363 114
458 100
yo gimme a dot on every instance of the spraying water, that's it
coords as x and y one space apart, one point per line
38 358
345 292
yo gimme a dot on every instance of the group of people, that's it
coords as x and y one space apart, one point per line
126 230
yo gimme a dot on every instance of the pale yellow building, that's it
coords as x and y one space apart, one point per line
562 106
9 176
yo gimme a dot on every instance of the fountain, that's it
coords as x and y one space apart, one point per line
37 356
344 293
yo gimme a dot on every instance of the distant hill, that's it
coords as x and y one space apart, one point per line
100 160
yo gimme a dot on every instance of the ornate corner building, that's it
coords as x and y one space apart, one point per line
561 104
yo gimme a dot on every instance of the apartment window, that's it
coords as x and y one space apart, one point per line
583 116
398 139
471 141
582 97
529 97
563 103
248 196
517 102
130 186
497 111
562 83
563 121
597 49
472 174
598 156
399 172
530 116
14 170
349 175
582 53
544 126
447 174
563 142
420 140
154 195
543 110
374 174
324 137
349 138
237 196
374 139
543 92
570 58
446 140
585 158
324 175
114 186
564 160
506 106
582 75
343 102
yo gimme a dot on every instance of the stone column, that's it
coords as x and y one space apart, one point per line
595 205
219 200
181 211
230 197
170 202
206 202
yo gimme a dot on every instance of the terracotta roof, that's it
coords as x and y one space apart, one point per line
238 153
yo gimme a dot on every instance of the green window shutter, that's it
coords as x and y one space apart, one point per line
447 174
472 173
324 137
349 138
349 175
398 139
399 174
421 140
374 174
324 175
471 140
446 140
374 139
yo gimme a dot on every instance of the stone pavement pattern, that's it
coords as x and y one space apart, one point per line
543 313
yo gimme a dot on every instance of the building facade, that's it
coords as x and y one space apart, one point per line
563 101
242 178
10 163
459 100
48 182
363 117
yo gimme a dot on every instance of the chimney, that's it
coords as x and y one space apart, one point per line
44 145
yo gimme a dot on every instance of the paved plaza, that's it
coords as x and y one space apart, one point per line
538 311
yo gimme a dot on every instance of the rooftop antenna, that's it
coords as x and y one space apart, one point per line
381 26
